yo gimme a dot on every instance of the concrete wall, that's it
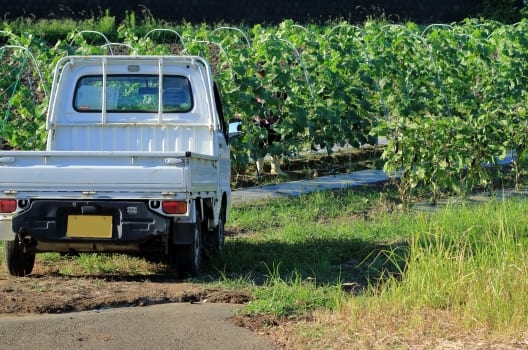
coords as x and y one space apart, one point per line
249 11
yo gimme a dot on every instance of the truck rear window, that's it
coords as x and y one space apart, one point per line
133 93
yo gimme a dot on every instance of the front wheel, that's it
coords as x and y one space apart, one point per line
19 261
189 256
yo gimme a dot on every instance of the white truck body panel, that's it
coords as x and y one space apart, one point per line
31 174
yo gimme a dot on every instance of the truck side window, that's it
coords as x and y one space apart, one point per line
220 111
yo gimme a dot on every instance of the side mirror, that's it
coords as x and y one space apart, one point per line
235 128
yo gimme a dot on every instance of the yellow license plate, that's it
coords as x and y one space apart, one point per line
89 226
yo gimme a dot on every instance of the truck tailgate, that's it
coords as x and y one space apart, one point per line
98 174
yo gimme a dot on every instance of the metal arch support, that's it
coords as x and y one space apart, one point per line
33 59
110 45
166 30
235 29
98 33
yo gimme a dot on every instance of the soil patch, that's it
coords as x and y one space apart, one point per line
46 291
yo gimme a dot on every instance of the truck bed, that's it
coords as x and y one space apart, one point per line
104 175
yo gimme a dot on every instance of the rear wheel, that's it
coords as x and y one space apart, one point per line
189 256
216 237
19 262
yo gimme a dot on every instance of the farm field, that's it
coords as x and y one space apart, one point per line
358 268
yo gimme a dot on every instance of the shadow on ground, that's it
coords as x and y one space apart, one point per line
352 263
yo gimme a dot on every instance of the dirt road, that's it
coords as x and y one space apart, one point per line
164 326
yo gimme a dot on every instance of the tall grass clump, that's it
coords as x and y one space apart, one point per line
465 279
471 261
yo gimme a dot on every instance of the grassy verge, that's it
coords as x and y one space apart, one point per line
299 252
462 284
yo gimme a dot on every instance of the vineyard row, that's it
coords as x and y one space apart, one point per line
449 98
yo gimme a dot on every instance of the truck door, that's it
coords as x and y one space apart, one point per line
223 145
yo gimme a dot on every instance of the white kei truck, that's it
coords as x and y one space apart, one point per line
137 161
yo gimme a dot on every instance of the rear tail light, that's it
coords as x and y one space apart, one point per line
8 205
174 207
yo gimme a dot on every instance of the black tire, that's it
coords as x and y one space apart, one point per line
189 256
216 237
18 262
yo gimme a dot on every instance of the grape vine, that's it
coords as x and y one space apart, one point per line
449 98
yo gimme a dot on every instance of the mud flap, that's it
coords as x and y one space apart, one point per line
6 229
183 233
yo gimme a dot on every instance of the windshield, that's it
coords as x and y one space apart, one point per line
133 93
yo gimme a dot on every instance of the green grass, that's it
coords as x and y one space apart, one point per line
293 297
104 264
96 264
309 236
473 261
470 262
298 252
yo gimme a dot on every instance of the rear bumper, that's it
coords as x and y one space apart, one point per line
129 224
